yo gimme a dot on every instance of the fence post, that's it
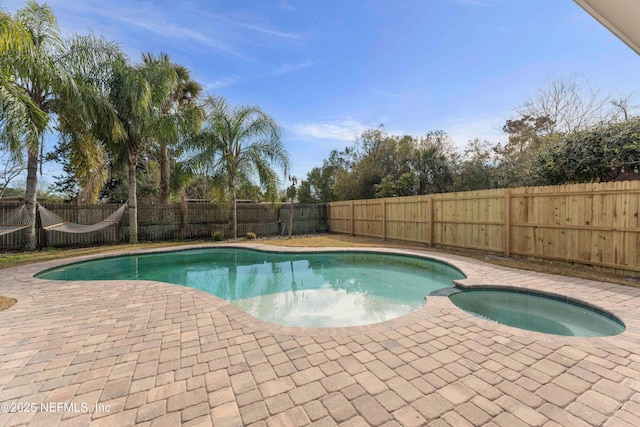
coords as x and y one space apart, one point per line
507 223
352 219
184 215
118 232
327 214
430 224
384 219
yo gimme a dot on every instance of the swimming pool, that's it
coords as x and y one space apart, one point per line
321 289
537 312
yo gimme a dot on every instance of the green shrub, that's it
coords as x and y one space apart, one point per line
250 236
218 236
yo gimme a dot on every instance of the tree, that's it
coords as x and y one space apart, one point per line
137 93
116 189
525 136
360 167
374 156
318 187
82 148
561 107
11 169
609 152
38 82
477 170
21 120
15 38
433 159
383 165
178 115
569 104
237 145
304 192
406 185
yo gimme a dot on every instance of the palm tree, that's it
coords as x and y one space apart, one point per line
178 115
14 36
21 121
82 142
137 92
237 145
41 81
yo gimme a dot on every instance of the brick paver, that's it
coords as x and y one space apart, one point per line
154 354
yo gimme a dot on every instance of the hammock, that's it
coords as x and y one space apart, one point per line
52 222
16 220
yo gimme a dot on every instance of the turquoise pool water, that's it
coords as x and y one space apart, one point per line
536 312
328 289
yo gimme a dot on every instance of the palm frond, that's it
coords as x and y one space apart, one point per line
42 25
13 36
21 121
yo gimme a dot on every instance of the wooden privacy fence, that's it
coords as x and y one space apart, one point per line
594 224
169 222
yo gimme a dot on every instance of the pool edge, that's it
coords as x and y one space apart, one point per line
477 272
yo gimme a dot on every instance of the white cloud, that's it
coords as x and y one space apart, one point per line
220 83
341 130
219 31
462 131
265 30
172 31
288 68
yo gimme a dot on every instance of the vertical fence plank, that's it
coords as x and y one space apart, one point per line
430 223
164 222
507 223
595 224
353 218
384 219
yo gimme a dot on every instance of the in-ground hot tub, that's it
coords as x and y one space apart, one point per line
537 312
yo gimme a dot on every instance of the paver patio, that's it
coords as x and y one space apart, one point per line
157 354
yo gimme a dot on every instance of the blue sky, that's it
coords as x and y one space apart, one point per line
327 70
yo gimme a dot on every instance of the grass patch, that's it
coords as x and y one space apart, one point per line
321 241
15 259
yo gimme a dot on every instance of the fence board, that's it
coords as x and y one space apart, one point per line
596 224
164 222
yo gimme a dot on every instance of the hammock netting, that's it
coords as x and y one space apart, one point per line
16 220
52 222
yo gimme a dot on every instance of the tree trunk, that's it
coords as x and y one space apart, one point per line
233 217
133 203
30 199
165 172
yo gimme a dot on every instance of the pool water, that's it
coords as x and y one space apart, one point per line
536 312
328 289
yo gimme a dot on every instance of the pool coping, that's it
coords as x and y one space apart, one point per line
478 275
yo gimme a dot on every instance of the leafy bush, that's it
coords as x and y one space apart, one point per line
250 236
218 236
599 154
